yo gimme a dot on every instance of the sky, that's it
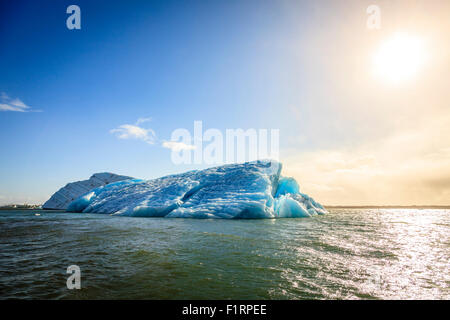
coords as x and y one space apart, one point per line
363 113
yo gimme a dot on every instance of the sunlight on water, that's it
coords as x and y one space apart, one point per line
346 254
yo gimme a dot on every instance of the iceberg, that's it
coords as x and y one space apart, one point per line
71 191
249 190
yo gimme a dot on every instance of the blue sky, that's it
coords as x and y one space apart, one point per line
231 64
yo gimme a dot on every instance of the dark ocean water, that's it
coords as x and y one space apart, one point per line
346 254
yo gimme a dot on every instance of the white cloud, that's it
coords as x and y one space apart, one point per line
7 107
19 103
137 132
143 120
15 105
177 146
130 131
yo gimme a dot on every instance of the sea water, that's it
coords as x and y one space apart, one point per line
346 254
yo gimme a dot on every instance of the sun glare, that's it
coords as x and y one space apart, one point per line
399 58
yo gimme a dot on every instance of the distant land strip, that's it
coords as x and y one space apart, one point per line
389 207
38 207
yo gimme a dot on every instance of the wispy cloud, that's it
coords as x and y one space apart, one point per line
7 107
137 132
143 120
177 146
134 131
15 105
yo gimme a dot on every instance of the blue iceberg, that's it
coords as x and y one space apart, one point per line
249 190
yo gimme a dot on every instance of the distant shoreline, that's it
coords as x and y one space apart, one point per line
19 208
389 207
10 208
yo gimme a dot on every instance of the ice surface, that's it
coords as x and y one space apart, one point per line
248 190
73 190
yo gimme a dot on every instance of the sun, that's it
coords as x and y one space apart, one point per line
399 58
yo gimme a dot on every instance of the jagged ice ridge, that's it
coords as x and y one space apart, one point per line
71 191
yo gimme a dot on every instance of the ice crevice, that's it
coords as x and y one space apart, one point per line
191 192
